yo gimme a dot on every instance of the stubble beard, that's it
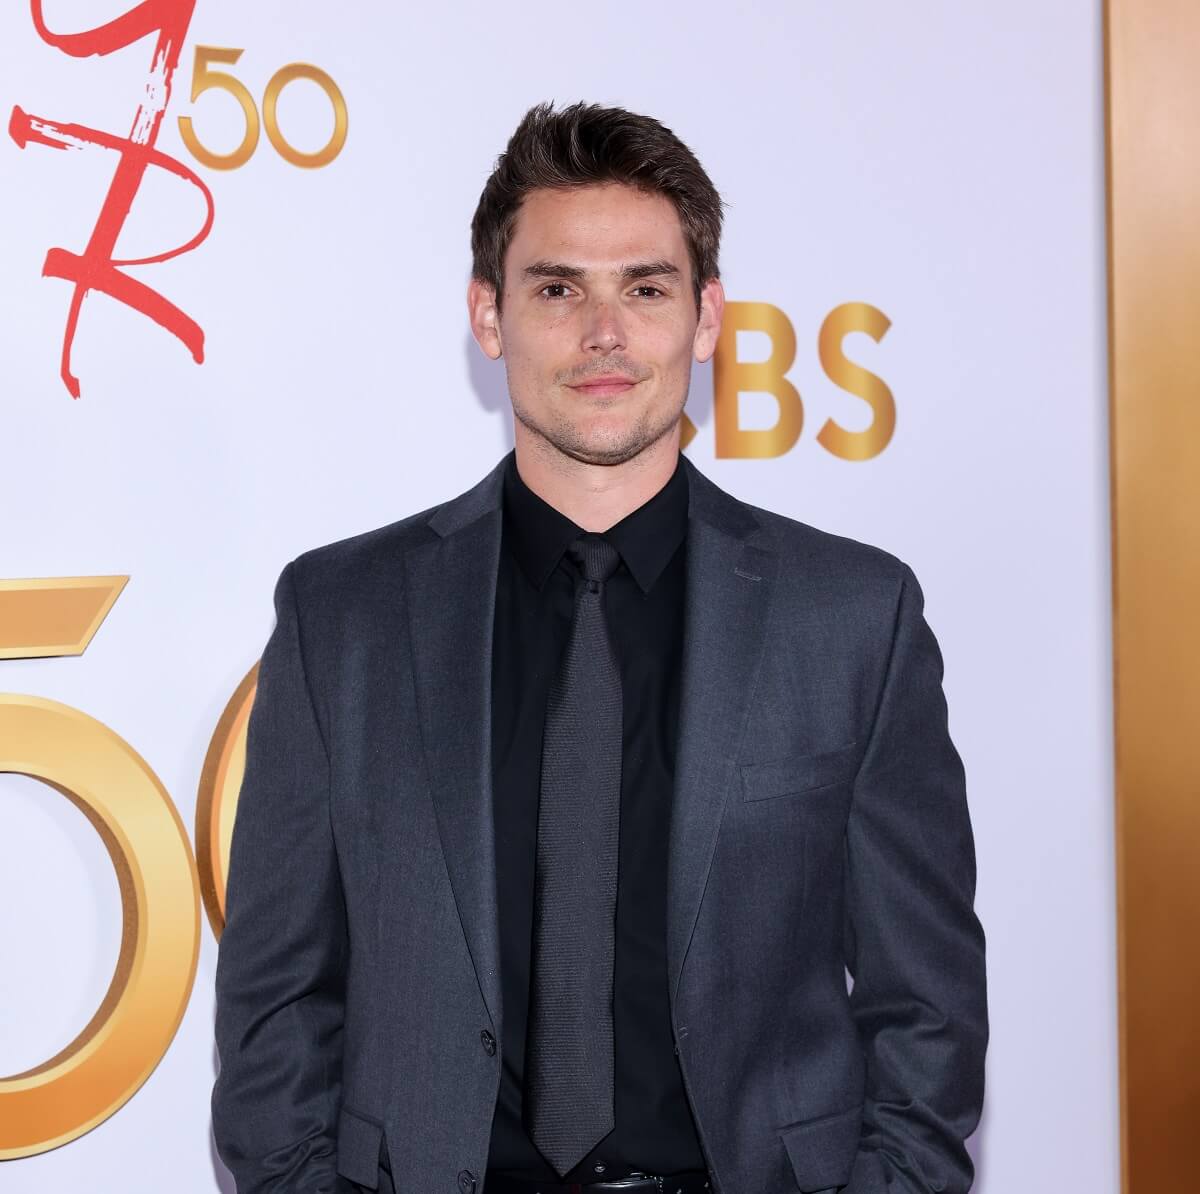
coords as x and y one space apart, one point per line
564 435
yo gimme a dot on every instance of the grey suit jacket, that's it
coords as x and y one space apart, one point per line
819 824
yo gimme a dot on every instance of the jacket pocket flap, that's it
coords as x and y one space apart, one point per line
358 1140
798 773
822 1150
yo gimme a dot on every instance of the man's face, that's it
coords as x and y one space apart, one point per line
598 325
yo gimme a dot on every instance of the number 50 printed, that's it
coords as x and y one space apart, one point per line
204 78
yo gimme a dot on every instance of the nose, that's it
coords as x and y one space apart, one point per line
603 329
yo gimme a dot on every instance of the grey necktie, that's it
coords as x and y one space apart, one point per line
568 1099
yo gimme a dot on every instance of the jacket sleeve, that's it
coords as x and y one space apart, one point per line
280 970
914 945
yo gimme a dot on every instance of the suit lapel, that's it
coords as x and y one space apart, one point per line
451 585
726 604
451 601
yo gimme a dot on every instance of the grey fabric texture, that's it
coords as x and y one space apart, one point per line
819 825
569 1064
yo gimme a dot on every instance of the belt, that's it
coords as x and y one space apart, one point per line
692 1182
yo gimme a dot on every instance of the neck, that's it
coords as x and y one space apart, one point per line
594 496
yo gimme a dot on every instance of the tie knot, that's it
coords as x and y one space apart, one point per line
595 557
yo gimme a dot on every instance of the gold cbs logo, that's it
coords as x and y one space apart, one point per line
733 377
128 806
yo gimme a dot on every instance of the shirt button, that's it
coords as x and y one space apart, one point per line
466 1181
599 1167
489 1042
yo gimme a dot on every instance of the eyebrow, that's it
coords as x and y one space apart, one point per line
575 273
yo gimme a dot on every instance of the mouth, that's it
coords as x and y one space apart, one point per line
605 387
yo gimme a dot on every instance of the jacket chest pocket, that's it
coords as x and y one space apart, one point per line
797 775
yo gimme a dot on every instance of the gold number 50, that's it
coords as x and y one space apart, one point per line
160 883
114 787
203 79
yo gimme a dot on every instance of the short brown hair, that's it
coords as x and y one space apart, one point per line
585 144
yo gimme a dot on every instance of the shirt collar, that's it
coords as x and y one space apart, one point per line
647 538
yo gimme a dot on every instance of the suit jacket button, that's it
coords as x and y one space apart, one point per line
489 1042
466 1181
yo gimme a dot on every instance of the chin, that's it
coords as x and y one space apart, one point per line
605 438
606 455
609 445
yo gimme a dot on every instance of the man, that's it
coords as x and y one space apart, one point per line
569 803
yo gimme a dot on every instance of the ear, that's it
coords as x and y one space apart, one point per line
485 317
712 310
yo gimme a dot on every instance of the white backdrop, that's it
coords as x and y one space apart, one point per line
942 162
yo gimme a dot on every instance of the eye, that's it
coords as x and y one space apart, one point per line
560 289
655 292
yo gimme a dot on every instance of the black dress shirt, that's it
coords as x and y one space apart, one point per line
654 1130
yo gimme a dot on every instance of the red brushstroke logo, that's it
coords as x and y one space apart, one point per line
96 268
